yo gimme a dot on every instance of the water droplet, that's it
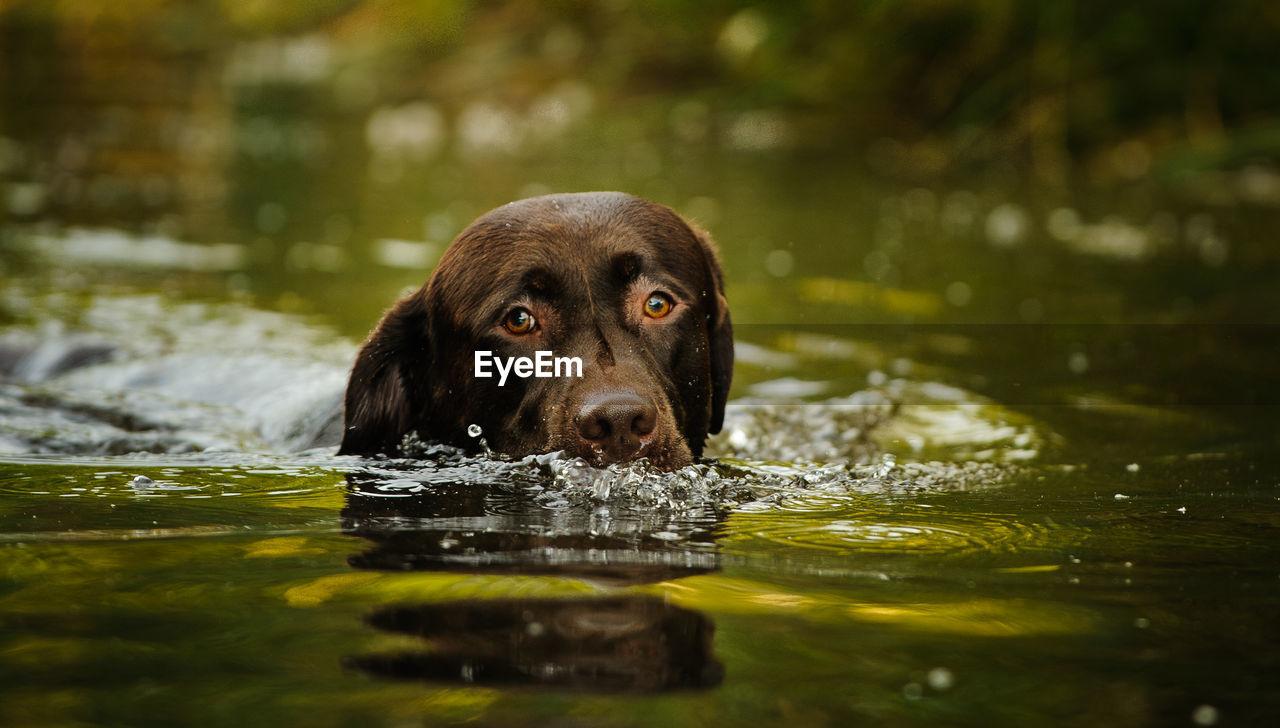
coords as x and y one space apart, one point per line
474 430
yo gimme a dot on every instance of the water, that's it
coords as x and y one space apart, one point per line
997 454
911 551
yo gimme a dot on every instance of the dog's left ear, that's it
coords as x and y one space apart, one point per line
388 390
719 334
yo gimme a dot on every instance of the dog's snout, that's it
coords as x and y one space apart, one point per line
614 426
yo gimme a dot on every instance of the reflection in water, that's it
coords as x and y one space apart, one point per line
619 643
616 644
495 525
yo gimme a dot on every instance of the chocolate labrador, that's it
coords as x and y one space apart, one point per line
592 323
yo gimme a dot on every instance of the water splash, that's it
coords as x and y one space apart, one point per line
887 461
558 480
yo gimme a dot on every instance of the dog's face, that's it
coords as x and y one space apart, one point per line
617 282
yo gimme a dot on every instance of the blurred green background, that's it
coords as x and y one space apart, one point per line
935 162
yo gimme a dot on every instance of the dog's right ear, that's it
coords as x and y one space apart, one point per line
388 390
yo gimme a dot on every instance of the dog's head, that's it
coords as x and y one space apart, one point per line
620 283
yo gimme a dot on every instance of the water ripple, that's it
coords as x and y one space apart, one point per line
933 531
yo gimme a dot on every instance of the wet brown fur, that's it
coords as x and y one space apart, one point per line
583 264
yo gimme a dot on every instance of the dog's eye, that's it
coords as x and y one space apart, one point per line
657 306
519 321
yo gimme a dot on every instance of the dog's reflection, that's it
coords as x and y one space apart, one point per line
619 643
624 644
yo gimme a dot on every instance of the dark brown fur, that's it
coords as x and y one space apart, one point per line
584 265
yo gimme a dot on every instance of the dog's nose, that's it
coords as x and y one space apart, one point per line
613 426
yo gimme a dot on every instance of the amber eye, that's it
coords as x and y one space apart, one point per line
519 321
657 306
